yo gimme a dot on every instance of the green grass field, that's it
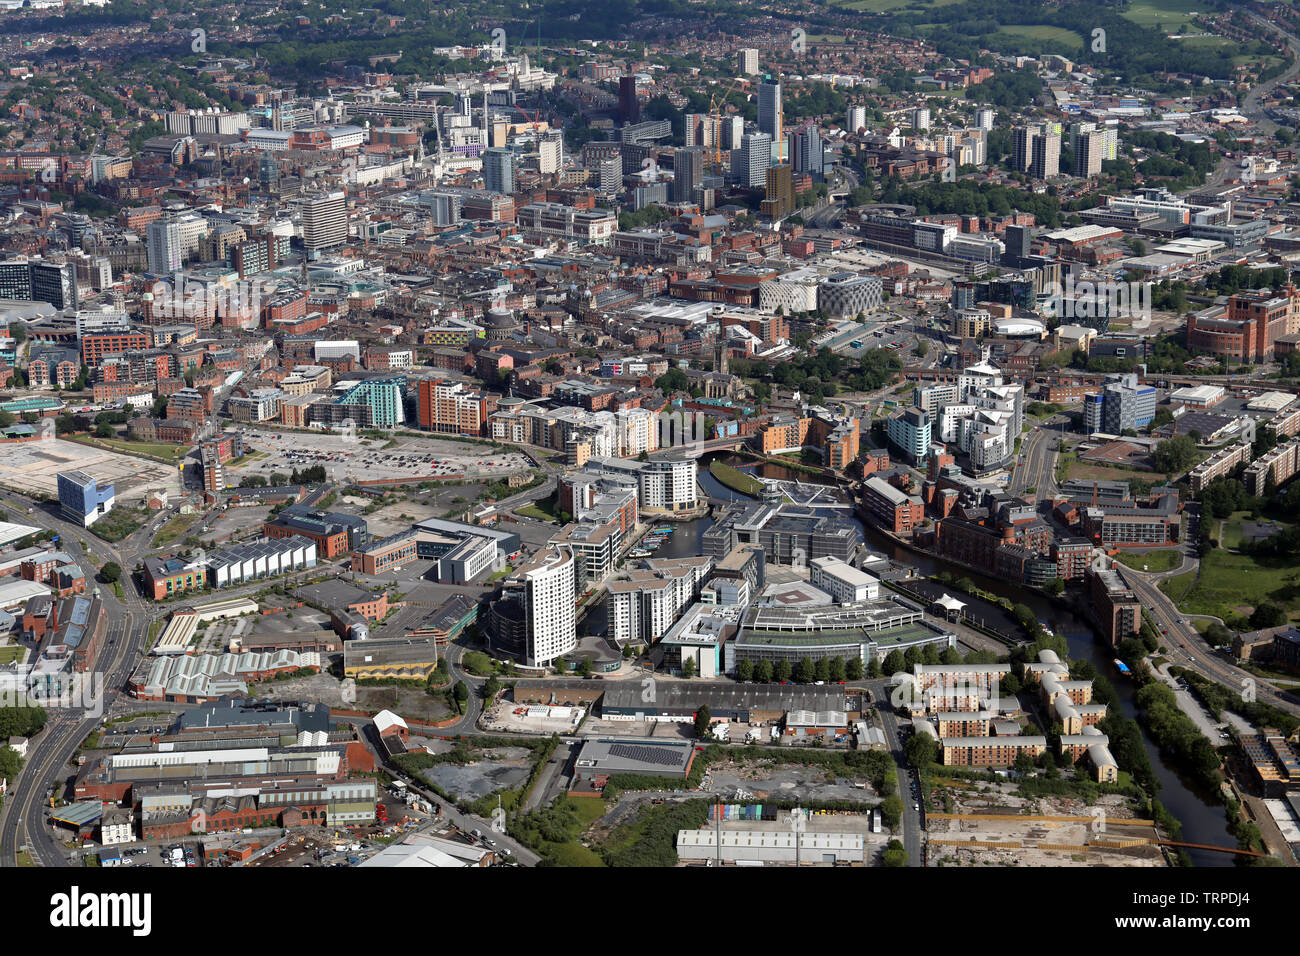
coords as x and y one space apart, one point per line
887 6
1165 559
1228 583
1081 469
532 511
1171 16
1206 42
173 530
1178 587
573 853
1230 529
735 479
247 458
1045 38
10 654
165 452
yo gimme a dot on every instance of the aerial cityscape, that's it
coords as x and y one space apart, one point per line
612 433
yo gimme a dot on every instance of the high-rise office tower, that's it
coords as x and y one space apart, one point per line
749 163
1036 151
748 62
629 107
1046 161
546 587
733 131
15 279
499 170
855 119
770 118
806 151
1107 139
610 173
1017 240
1022 148
325 221
700 129
688 173
780 193
1087 154
163 246
550 152
55 283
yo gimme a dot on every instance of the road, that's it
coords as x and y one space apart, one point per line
465 822
1187 648
913 820
1037 466
1250 104
47 764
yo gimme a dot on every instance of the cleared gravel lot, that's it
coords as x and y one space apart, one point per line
358 458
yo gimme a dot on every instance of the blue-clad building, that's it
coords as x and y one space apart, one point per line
82 499
386 398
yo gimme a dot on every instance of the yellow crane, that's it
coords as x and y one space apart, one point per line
715 117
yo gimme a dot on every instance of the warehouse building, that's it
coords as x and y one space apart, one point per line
602 757
771 847
747 703
260 559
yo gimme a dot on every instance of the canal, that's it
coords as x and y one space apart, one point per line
1200 812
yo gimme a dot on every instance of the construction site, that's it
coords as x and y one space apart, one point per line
991 824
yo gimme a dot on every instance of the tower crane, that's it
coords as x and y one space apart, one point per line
715 118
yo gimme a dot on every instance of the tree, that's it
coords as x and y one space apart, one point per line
10 763
110 572
1024 762
1267 614
1217 635
837 669
763 672
1055 587
804 671
781 672
891 811
745 671
461 693
853 669
105 431
491 688
920 750
688 667
894 662
584 667
1175 454
702 720
673 380
822 669
895 854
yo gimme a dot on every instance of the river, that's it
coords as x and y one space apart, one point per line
1200 812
